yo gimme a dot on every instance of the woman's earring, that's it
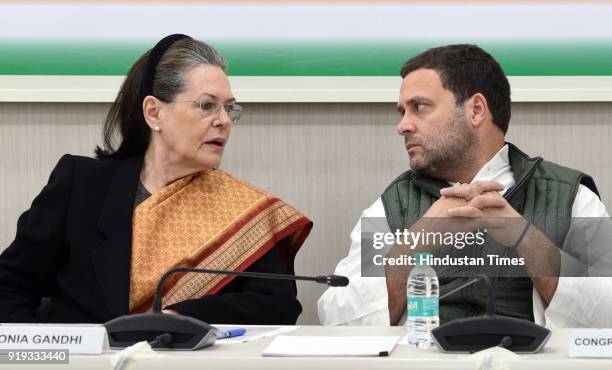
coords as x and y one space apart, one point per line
157 128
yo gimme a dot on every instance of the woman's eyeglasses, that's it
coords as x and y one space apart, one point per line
234 111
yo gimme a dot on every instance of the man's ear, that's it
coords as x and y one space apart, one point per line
477 110
151 107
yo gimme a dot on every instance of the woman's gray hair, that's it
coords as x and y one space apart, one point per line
125 120
178 60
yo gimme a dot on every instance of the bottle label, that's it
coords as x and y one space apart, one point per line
422 306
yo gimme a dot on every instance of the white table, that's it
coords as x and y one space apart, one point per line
248 356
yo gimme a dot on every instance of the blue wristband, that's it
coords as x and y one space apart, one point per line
520 239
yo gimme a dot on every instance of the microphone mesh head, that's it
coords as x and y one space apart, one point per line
336 280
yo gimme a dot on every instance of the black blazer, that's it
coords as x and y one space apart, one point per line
74 245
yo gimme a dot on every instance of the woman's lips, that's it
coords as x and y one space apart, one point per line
216 142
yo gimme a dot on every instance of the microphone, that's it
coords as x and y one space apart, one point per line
477 333
178 332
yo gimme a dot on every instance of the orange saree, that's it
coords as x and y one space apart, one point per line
209 220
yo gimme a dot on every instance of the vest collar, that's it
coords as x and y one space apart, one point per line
521 164
522 167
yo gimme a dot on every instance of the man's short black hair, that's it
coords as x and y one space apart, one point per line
466 70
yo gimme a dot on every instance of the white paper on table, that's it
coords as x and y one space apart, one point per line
289 346
253 332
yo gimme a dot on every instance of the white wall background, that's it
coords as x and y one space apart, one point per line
328 160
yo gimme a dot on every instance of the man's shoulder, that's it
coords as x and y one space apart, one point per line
556 171
552 171
404 177
376 209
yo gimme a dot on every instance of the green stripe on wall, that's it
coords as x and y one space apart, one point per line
299 58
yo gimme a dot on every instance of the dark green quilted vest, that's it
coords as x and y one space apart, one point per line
544 194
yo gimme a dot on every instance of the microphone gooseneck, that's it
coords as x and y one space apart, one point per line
331 280
178 332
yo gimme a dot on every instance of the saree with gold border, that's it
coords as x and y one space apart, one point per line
209 220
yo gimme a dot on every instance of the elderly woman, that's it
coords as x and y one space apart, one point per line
103 231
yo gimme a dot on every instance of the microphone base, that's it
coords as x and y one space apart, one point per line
187 332
477 333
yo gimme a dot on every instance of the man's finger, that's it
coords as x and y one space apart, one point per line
488 201
485 186
465 191
465 211
470 191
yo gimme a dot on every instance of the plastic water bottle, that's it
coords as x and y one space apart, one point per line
422 306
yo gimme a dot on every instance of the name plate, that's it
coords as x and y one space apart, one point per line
590 343
77 339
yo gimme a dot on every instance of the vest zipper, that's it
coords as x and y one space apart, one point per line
524 179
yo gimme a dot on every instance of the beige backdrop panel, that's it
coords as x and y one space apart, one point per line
329 160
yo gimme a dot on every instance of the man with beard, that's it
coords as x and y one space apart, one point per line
455 110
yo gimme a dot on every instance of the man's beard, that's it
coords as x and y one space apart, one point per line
448 151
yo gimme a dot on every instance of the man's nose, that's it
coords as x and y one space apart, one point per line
406 125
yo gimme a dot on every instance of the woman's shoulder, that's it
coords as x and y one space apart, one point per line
90 170
233 187
83 164
234 183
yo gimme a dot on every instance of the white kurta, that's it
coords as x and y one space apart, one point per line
577 302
